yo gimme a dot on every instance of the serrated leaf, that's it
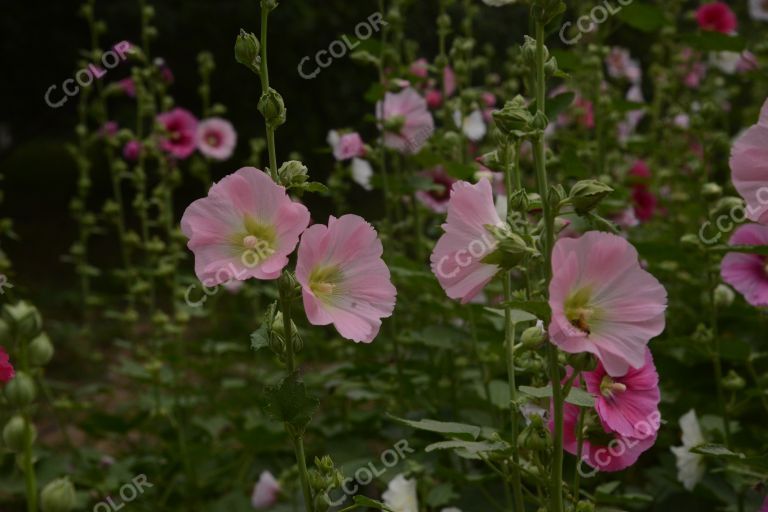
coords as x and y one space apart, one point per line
461 430
716 450
289 402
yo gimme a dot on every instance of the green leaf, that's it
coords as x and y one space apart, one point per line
518 315
460 430
716 450
442 494
559 103
315 186
469 449
576 396
290 403
538 308
364 501
260 337
644 17
748 249
710 41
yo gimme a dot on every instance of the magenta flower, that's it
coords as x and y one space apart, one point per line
457 257
644 203
624 404
436 199
181 126
603 302
748 273
434 98
6 368
265 492
216 138
132 150
346 146
749 167
344 281
246 227
419 68
406 121
109 129
128 86
717 16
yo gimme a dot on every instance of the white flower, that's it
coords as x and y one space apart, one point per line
473 125
758 9
265 492
727 62
400 495
333 138
362 172
690 466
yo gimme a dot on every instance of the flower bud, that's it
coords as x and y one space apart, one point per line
248 50
292 173
24 319
724 296
14 434
40 350
535 436
733 381
20 391
711 191
587 194
322 503
533 336
272 107
585 506
514 118
510 249
58 496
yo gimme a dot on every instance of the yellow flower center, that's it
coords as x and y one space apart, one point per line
255 243
324 281
608 387
579 311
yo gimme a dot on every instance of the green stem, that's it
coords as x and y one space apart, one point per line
579 451
30 479
265 88
509 330
716 360
556 477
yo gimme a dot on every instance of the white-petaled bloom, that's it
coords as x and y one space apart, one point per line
690 466
400 495
758 9
265 492
473 125
362 173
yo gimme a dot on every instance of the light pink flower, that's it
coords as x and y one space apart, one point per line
457 257
747 62
449 81
265 492
603 302
181 126
621 65
749 167
216 138
626 403
436 199
717 16
420 68
406 121
489 99
344 281
748 273
132 150
6 368
346 146
109 129
246 227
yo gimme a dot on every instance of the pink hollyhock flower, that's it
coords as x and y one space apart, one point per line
758 10
457 257
617 454
420 68
406 121
747 62
181 126
489 99
749 167
6 368
434 98
640 169
436 199
621 65
109 129
216 138
246 227
764 507
346 146
132 150
344 281
128 87
449 81
748 273
717 16
644 203
603 302
265 492
624 404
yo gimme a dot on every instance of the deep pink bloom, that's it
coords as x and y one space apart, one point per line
265 492
128 86
109 129
434 98
420 68
640 169
748 273
436 199
216 138
132 150
644 203
603 302
344 280
625 404
489 99
457 257
346 146
586 116
749 167
6 368
764 507
406 121
181 126
246 227
617 454
717 16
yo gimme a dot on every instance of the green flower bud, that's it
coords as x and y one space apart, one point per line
514 119
322 503
24 319
585 506
14 434
711 191
58 496
248 51
40 350
510 249
20 391
292 173
540 121
724 296
272 107
587 194
733 381
533 336
535 436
